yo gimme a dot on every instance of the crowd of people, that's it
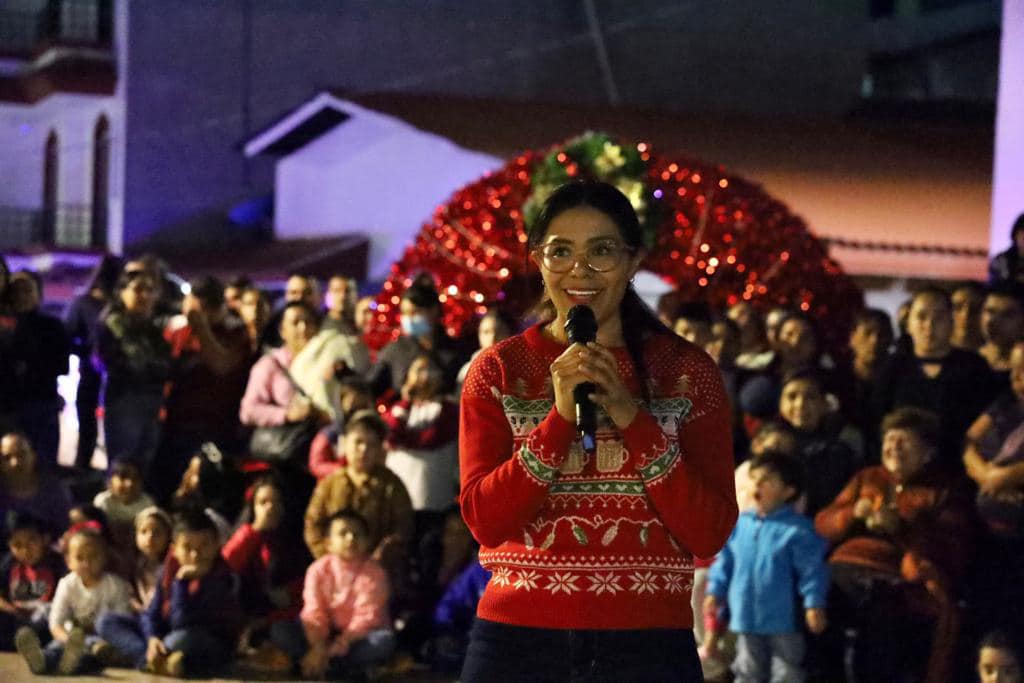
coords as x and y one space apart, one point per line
279 498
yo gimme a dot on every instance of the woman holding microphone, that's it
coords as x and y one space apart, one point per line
591 550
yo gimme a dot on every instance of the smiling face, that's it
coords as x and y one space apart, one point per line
574 232
904 453
802 404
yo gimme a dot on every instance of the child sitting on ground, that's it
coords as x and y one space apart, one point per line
28 578
123 499
772 555
998 659
84 595
192 622
153 529
270 565
345 610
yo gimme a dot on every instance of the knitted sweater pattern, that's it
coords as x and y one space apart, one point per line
604 541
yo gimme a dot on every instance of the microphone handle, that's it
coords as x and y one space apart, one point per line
586 415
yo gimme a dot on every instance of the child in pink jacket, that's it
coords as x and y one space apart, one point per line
345 610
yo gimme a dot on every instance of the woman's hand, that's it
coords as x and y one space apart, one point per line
565 375
600 367
298 409
592 363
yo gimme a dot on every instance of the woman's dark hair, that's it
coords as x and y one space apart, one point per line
422 293
933 291
123 281
209 290
876 317
313 313
1018 225
502 317
105 275
1001 640
638 320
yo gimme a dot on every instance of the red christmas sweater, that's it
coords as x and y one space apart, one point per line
603 542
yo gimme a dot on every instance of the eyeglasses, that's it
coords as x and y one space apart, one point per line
599 256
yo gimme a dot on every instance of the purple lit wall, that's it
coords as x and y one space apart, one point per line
1008 173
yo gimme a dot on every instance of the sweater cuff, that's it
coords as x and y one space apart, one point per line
547 447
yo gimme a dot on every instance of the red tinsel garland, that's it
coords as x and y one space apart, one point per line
722 239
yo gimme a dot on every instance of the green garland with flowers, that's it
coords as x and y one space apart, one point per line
596 156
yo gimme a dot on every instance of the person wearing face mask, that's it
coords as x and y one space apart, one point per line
422 332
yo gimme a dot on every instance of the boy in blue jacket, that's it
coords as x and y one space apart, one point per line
772 554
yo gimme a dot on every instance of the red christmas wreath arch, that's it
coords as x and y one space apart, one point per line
715 236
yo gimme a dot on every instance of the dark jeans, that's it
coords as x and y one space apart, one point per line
86 401
203 650
131 427
40 420
499 653
9 625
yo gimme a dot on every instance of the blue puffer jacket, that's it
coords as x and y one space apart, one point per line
765 564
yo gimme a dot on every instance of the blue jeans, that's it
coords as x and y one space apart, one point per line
520 654
55 649
776 657
131 428
202 649
124 633
376 648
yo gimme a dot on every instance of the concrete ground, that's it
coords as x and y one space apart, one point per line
14 670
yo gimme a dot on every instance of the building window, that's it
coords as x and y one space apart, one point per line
50 169
100 182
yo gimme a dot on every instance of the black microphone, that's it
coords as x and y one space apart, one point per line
581 328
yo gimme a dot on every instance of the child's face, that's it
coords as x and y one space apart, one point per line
352 400
152 538
491 331
802 404
27 546
85 557
770 492
423 378
125 487
694 331
903 453
196 548
363 449
998 666
345 539
867 340
267 507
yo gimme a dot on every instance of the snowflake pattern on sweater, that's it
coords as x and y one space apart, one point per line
607 539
